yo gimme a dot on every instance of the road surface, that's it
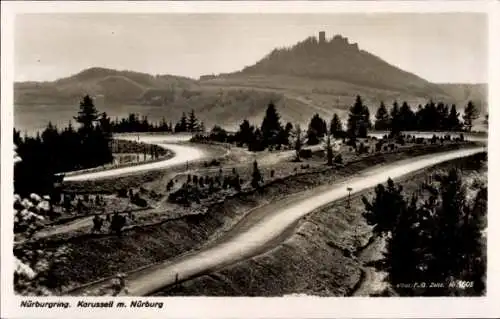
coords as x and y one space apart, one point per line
263 227
182 153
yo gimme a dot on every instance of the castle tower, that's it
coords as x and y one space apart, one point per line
322 37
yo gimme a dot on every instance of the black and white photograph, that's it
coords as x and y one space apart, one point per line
233 154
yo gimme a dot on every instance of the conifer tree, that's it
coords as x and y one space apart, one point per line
471 113
87 115
382 120
385 209
336 126
395 119
453 121
192 124
271 126
256 175
329 151
245 134
358 122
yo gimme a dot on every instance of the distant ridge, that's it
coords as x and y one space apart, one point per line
317 75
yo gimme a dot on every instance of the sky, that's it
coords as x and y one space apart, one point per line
440 47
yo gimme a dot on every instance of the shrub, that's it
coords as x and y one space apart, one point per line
214 162
139 201
362 148
305 153
170 185
122 193
338 159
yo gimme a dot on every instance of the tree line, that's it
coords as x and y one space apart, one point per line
431 117
134 123
56 150
436 239
271 134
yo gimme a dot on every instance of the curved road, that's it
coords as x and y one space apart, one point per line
182 154
262 227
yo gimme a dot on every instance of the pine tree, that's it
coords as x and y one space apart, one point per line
407 118
106 127
336 126
453 122
406 249
385 209
182 125
256 175
443 114
87 115
471 113
329 152
316 130
245 134
271 126
446 263
382 121
358 122
192 124
395 120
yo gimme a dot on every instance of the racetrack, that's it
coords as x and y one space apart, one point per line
182 153
264 227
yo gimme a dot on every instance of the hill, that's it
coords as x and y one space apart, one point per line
313 76
111 85
340 60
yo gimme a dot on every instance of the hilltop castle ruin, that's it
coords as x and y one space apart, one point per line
337 40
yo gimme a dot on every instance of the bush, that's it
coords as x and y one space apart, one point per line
170 185
186 195
400 140
122 193
139 201
362 148
305 153
214 162
338 159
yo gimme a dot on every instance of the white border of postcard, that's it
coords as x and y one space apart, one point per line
286 307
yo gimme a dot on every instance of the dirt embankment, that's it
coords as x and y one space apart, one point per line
325 255
92 257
